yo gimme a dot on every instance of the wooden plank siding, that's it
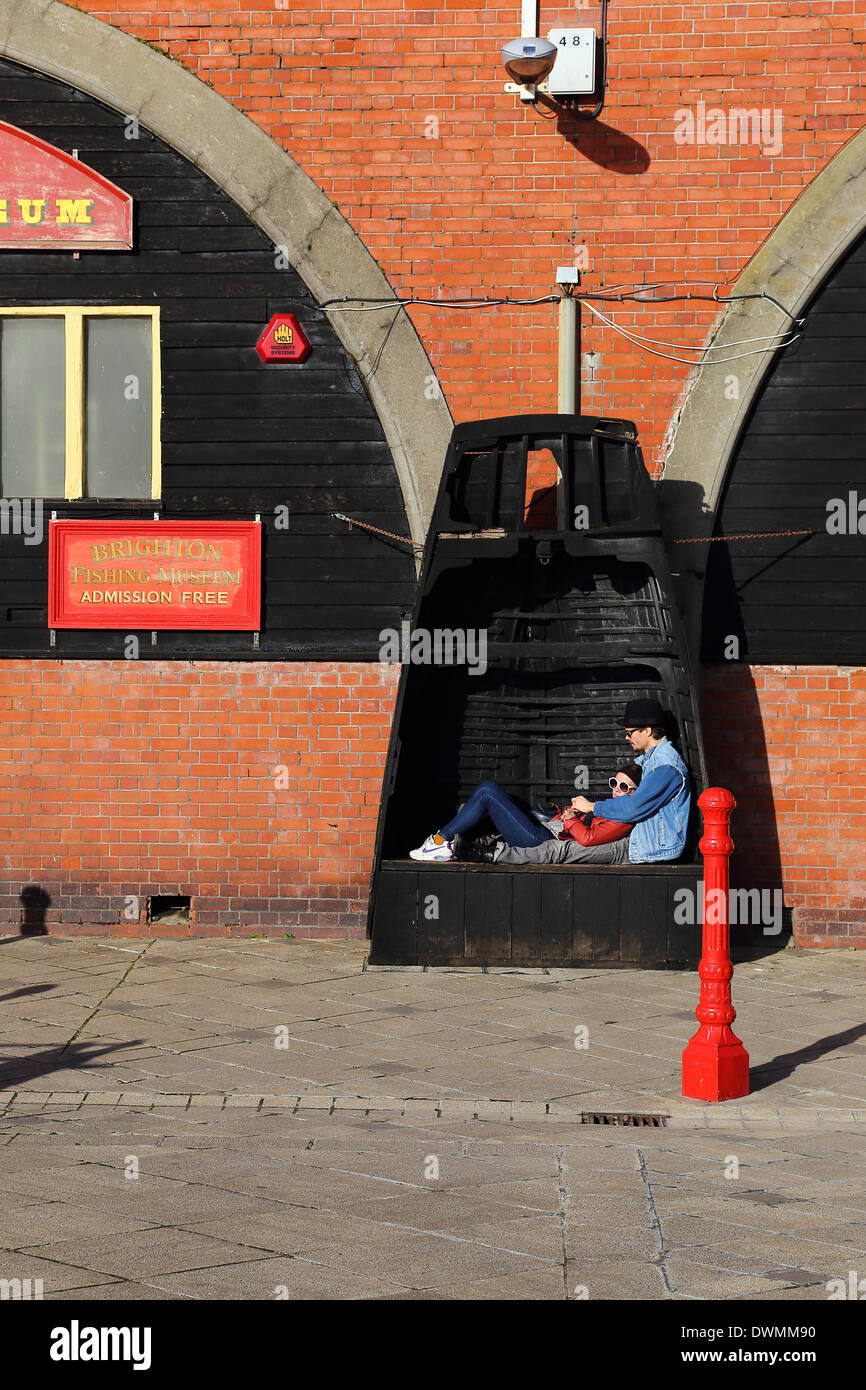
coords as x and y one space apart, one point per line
799 600
238 437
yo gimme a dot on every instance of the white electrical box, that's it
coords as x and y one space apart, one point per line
574 70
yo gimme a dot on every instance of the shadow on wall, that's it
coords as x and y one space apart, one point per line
540 512
601 144
35 902
738 759
733 730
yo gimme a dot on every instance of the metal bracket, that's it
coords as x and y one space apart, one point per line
530 88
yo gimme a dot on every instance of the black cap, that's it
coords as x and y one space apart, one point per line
642 714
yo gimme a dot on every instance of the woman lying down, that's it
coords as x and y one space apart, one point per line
557 836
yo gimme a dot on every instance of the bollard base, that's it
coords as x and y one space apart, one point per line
715 1070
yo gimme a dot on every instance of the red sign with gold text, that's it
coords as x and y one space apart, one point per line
155 574
48 200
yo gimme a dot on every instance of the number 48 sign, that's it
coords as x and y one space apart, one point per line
574 70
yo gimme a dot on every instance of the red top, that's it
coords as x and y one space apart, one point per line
600 832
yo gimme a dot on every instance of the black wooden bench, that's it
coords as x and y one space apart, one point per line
523 914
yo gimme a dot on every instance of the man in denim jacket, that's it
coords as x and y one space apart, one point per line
659 808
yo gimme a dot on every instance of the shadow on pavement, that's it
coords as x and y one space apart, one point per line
29 989
64 1058
770 1072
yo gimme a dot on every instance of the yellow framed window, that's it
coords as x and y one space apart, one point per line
80 402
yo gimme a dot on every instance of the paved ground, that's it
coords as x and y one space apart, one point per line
302 1127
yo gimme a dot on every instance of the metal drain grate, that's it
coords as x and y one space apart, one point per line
600 1117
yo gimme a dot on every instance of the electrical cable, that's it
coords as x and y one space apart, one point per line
662 342
685 361
362 304
714 298
576 111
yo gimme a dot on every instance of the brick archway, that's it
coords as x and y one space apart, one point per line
274 191
791 265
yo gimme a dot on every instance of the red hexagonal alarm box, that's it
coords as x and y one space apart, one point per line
284 340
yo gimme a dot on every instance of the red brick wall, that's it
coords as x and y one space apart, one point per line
788 742
126 779
398 113
122 780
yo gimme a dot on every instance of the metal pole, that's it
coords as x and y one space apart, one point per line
568 402
715 1063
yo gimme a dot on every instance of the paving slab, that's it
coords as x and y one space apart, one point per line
115 1291
54 1274
53 1224
144 1253
279 1278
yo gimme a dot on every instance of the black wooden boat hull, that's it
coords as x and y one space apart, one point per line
578 619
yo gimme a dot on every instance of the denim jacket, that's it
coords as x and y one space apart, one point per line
662 836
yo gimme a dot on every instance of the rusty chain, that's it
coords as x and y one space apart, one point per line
679 540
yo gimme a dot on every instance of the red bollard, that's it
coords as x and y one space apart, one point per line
715 1063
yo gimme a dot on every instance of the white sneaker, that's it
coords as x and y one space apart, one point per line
433 852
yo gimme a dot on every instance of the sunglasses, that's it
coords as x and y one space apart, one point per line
623 786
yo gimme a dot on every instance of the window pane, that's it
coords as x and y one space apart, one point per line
32 407
118 443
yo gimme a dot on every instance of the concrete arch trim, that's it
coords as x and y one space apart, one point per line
791 264
262 178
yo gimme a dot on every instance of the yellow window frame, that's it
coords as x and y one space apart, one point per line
73 316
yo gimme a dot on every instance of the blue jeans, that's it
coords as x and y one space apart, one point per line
488 799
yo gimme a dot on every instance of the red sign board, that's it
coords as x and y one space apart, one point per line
50 201
283 340
155 574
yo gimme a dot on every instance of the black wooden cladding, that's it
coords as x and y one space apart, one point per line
238 436
799 599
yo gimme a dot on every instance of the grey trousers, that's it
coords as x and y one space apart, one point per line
567 852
